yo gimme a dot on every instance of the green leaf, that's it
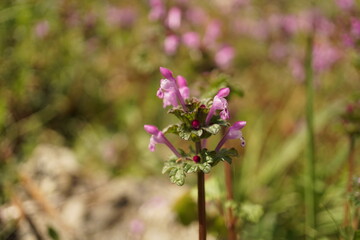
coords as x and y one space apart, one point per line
205 167
187 167
168 166
222 122
357 235
227 159
178 177
185 135
53 234
197 132
226 154
193 168
184 132
185 117
178 113
171 129
251 212
213 129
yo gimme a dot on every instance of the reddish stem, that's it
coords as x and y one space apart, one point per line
201 200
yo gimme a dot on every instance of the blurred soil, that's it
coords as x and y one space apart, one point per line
56 199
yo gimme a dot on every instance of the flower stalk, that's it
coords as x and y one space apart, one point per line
201 199
310 205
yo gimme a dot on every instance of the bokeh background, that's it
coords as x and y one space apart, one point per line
78 81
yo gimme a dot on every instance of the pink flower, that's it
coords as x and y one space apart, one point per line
345 4
191 40
278 50
42 29
289 24
219 103
234 132
137 227
121 17
355 27
167 73
169 90
224 57
171 44
158 137
324 56
241 3
174 18
157 10
347 40
183 87
196 16
297 69
213 32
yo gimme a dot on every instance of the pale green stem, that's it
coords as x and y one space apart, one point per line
310 201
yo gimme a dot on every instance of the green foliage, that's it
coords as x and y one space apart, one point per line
357 235
177 169
52 233
186 208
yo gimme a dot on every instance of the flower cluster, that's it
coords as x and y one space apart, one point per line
199 120
182 23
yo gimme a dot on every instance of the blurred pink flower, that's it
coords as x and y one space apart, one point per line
345 4
348 41
191 40
157 10
355 27
241 3
256 29
289 24
196 16
304 21
224 56
324 56
297 69
278 51
323 26
174 18
42 29
137 227
121 17
171 44
213 31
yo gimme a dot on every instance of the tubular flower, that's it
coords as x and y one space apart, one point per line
183 87
158 137
171 44
157 10
174 18
172 90
219 103
167 93
234 132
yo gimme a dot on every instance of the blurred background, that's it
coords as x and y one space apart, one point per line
78 81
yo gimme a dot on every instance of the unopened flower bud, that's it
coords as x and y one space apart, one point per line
195 124
196 159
